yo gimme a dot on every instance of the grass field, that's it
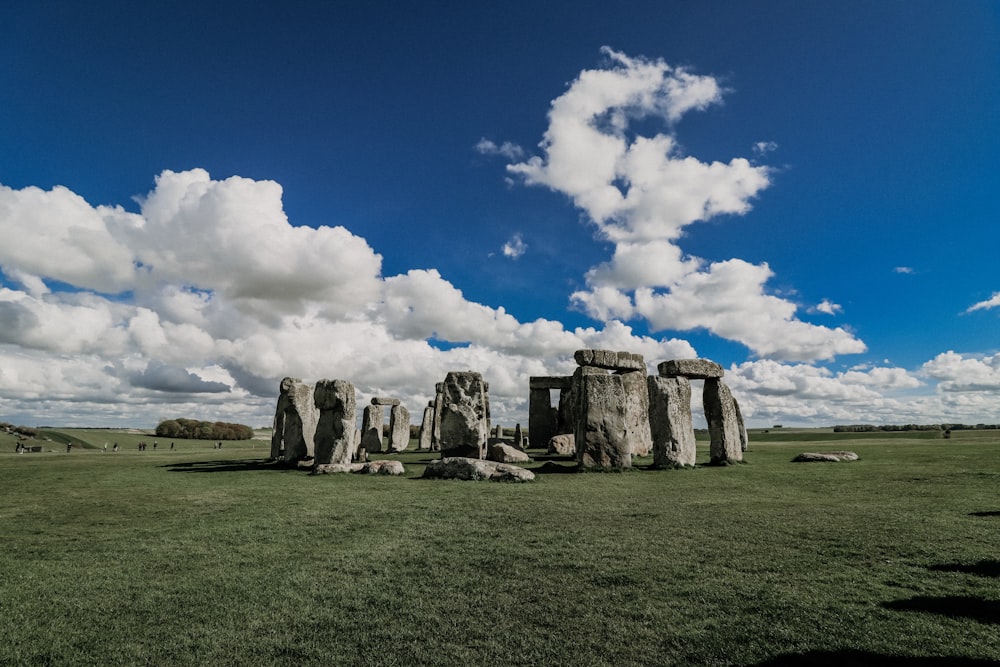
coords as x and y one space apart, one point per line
200 556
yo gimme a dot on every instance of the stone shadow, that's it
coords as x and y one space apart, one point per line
986 513
865 658
983 568
227 466
954 606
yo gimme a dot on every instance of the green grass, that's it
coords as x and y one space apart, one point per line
209 557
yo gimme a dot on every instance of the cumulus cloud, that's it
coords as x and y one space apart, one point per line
642 191
965 373
515 247
164 377
992 302
764 147
827 307
507 149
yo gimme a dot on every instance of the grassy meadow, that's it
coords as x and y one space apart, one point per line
200 556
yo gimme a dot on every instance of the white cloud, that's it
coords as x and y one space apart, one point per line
827 307
507 149
992 302
965 373
764 147
515 247
906 270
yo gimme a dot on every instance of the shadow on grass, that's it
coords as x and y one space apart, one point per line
955 606
986 513
984 568
553 468
855 658
227 466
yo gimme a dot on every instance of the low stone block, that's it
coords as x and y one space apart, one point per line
381 467
609 360
825 457
381 400
457 467
503 453
562 445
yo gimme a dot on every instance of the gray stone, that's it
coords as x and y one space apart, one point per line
371 428
637 413
518 437
438 405
335 428
336 468
476 469
541 417
692 369
559 382
670 421
563 444
825 457
503 453
609 360
399 428
381 467
380 400
744 437
427 427
465 415
498 432
723 428
601 435
295 417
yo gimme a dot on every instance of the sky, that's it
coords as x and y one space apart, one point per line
199 199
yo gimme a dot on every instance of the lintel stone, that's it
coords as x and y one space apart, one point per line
692 369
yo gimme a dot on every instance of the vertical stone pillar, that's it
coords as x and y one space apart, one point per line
399 428
744 438
498 432
637 412
518 437
295 418
438 405
723 428
335 429
670 421
371 428
465 413
427 427
601 439
541 425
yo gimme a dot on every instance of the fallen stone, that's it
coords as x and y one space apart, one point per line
381 467
502 453
457 467
562 445
825 457
336 468
693 369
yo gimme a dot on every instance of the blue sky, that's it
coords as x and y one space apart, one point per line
197 201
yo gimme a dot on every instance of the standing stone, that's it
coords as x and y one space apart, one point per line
541 418
335 444
720 411
670 421
601 435
427 427
399 428
518 437
371 428
637 413
292 437
498 432
465 424
438 405
744 438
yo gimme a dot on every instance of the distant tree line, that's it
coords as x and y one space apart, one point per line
868 428
20 430
202 430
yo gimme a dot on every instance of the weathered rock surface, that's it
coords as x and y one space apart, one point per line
825 457
562 445
670 421
601 434
560 382
399 428
612 361
541 417
427 428
476 469
518 437
295 418
503 453
723 428
371 428
438 406
336 468
744 437
381 467
465 415
693 369
381 400
334 438
637 429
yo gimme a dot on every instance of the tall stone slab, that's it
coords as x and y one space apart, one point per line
427 427
744 438
465 421
399 428
294 430
335 429
670 421
541 417
518 436
723 427
637 413
601 433
438 405
371 428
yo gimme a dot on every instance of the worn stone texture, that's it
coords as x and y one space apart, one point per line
825 457
541 417
476 469
504 453
601 435
637 428
518 436
335 428
559 382
744 437
670 421
465 415
427 428
723 428
371 428
563 444
692 369
438 405
609 360
399 428
295 418
382 400
381 467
